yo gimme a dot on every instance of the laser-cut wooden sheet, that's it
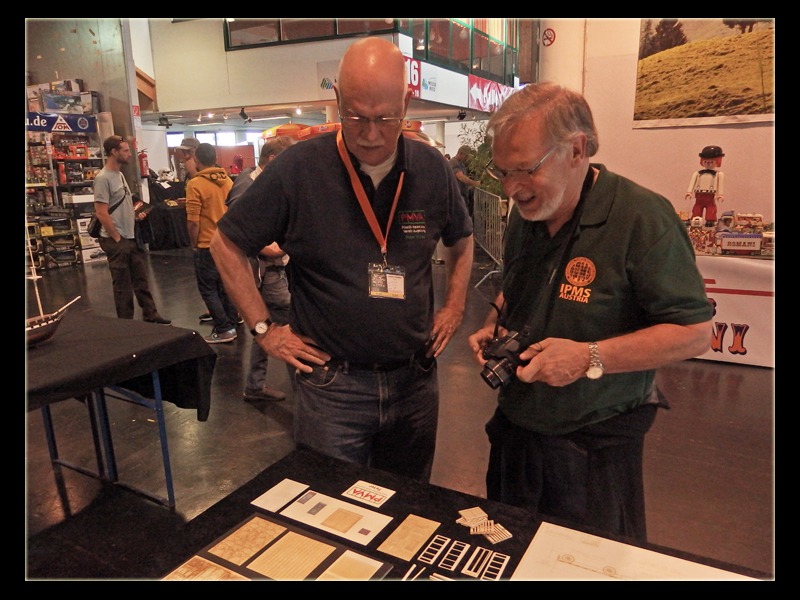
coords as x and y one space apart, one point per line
243 543
198 568
261 547
292 557
351 567
408 538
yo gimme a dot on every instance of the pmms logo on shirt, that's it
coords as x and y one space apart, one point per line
580 273
412 224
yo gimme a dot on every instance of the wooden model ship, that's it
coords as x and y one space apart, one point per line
42 327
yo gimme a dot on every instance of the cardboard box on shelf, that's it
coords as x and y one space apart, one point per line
67 102
90 102
70 199
81 211
93 255
67 85
88 242
82 223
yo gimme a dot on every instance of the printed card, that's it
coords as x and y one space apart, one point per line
368 493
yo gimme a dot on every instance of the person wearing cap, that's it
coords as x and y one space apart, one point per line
706 185
185 167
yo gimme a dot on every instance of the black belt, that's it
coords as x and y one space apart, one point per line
352 365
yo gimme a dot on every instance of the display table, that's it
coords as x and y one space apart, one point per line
165 228
91 356
742 291
315 517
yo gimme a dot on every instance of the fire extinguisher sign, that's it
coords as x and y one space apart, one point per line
136 112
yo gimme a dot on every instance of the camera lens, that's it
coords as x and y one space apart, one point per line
497 372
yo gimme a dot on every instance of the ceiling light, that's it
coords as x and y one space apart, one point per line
297 111
244 116
163 121
462 114
224 116
199 117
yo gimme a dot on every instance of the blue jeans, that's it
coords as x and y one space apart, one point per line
209 284
274 290
381 419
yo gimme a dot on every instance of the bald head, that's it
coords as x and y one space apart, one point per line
374 66
372 84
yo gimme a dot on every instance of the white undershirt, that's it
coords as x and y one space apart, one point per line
378 172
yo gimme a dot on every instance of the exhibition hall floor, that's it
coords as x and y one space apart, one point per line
709 460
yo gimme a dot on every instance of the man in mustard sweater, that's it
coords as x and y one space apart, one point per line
205 204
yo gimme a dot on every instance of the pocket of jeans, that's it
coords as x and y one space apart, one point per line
320 377
426 364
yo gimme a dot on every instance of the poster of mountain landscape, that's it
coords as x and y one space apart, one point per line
705 72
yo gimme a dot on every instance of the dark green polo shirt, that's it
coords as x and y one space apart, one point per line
629 265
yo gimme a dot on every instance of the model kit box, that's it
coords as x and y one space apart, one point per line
739 243
70 199
81 211
88 242
82 224
93 255
67 85
67 102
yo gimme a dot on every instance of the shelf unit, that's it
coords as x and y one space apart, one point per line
63 154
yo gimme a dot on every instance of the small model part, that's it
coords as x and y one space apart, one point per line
497 564
433 549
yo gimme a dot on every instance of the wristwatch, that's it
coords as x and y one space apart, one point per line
595 370
261 327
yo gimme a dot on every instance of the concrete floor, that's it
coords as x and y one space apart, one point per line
709 461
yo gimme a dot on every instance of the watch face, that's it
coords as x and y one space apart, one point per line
594 372
261 327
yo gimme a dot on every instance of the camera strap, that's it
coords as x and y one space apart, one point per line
534 328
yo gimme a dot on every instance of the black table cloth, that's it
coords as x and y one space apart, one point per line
89 352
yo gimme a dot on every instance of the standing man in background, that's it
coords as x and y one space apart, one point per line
601 285
359 212
465 183
126 260
270 276
205 204
185 169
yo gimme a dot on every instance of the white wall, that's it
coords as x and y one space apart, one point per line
661 159
192 68
596 56
141 46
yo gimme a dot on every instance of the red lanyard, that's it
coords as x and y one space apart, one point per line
361 195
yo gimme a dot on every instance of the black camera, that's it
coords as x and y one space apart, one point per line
502 357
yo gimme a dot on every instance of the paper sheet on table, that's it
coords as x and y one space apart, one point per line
279 495
559 553
355 523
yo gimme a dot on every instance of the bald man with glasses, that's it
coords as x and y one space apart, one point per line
360 212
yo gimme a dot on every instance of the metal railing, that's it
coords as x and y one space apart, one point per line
489 218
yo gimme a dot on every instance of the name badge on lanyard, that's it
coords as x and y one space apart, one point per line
386 281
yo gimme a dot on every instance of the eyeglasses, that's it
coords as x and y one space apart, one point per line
502 174
363 122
